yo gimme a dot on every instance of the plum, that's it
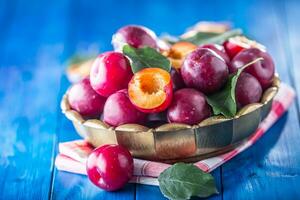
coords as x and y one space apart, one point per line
262 70
189 106
110 72
119 110
205 70
136 36
85 100
177 81
110 167
220 50
236 44
248 90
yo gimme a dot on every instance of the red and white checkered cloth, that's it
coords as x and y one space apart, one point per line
72 155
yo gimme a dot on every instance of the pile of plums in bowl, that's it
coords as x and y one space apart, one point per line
154 99
150 82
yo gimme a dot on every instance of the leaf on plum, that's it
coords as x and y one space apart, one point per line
224 102
146 57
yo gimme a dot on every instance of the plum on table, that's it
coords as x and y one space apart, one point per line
110 167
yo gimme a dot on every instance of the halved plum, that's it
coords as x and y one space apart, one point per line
150 90
178 51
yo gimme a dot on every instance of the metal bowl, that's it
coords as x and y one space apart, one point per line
174 142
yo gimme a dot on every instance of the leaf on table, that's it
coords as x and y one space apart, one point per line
182 181
224 102
146 57
211 37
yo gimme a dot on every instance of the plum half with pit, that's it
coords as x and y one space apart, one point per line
85 100
189 106
248 90
135 36
119 110
262 70
205 70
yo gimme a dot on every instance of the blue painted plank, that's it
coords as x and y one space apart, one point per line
290 21
28 99
270 168
29 72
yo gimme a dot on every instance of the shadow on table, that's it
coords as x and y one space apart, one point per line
252 160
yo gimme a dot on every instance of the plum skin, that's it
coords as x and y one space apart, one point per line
220 50
248 90
110 72
119 110
85 100
110 167
204 70
262 70
189 106
177 80
135 36
232 49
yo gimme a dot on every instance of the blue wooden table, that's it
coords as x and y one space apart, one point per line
36 38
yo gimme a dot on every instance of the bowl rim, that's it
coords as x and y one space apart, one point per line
76 117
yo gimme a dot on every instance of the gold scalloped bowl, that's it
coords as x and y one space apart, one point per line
174 142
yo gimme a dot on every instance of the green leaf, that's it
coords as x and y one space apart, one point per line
223 102
209 37
146 57
182 181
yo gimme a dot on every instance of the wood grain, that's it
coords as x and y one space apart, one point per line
29 74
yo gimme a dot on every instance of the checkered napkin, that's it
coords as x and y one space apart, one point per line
73 155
